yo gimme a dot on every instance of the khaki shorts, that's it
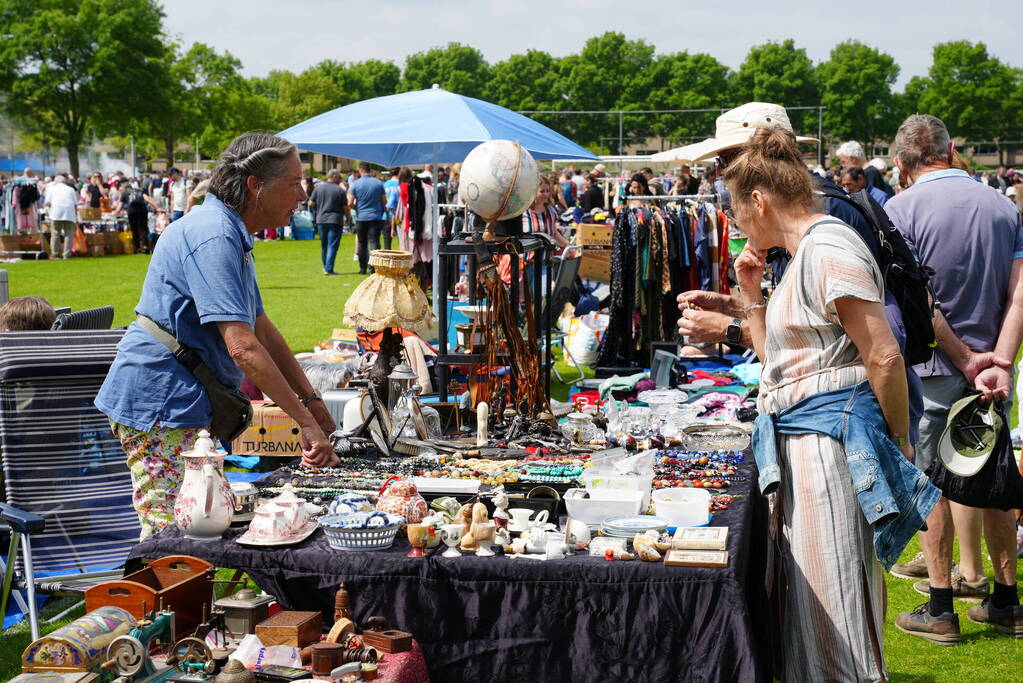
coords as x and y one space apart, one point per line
940 392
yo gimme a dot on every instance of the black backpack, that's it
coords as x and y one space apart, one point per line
904 276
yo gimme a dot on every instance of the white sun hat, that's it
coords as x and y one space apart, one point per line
734 128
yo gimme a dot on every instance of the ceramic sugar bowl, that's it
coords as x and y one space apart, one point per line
402 498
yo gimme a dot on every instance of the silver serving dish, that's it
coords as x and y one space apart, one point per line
714 437
245 497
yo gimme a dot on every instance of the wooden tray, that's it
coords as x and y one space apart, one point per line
181 583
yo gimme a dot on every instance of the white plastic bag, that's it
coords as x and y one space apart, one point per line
582 343
252 653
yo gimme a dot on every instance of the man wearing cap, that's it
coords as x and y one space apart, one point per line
973 240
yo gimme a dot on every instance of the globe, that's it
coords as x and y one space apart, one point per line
498 180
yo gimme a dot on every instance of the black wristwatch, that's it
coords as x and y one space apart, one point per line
315 396
734 332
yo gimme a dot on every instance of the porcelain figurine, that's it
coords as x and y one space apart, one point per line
402 498
451 534
501 517
482 415
484 534
479 516
204 505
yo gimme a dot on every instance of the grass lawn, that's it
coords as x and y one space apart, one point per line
306 306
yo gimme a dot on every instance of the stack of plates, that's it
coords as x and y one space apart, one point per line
627 526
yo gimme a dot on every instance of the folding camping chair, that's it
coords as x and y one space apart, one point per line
89 319
564 283
68 492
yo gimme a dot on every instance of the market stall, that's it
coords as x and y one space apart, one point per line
510 618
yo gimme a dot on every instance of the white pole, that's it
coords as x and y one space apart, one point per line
436 235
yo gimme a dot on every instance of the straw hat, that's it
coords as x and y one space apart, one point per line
736 126
390 297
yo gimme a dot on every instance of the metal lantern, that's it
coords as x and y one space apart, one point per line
399 382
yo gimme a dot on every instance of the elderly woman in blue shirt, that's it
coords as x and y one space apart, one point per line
201 287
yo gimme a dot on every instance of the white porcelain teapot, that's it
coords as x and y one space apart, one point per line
203 507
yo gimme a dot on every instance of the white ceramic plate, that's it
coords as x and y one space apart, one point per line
636 523
303 534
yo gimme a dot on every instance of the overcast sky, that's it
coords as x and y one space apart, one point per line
294 34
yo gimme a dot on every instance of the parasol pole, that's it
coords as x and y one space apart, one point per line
436 237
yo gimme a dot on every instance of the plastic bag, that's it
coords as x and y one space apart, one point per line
80 247
302 219
252 653
582 343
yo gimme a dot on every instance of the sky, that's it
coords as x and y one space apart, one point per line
295 34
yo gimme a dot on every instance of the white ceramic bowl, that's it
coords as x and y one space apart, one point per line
601 504
683 506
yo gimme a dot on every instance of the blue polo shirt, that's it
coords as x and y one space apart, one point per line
970 235
368 205
202 272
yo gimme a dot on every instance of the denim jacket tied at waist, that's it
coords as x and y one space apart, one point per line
895 496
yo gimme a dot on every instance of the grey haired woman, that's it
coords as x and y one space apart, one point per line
201 287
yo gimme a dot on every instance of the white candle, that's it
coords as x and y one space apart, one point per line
482 412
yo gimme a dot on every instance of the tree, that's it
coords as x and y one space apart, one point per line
359 81
683 81
458 68
74 66
779 73
302 97
598 78
529 81
972 92
856 87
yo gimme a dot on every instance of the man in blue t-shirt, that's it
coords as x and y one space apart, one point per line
393 189
370 200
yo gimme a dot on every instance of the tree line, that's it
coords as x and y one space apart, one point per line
70 69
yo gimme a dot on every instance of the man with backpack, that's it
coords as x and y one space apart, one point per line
973 239
136 207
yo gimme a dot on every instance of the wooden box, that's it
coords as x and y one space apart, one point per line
180 583
97 250
30 243
296 629
596 265
10 243
594 235
95 239
272 433
390 641
88 213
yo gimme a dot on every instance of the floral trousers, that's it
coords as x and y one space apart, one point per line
154 460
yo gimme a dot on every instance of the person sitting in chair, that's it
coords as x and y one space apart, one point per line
25 313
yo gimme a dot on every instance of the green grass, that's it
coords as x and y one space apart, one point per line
302 302
306 306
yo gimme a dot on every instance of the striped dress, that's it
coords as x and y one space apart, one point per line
835 600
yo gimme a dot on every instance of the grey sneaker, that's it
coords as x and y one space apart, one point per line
914 569
943 629
961 588
1007 621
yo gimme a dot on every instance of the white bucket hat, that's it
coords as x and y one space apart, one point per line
736 126
969 437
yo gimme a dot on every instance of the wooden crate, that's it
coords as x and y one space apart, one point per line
87 213
596 265
594 235
97 250
296 629
181 583
10 243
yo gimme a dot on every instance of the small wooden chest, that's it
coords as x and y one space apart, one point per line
390 641
296 629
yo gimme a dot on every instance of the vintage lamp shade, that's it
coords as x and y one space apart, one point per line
390 297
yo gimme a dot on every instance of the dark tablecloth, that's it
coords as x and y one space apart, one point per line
501 618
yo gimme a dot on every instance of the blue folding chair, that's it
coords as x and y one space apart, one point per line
67 490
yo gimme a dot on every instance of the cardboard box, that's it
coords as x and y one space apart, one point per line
89 214
272 433
111 239
594 235
596 265
30 243
10 243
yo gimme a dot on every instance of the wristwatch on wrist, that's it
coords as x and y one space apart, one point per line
315 396
900 441
734 332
